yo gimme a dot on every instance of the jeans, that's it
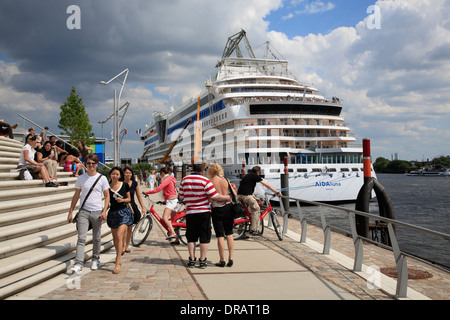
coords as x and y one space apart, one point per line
84 217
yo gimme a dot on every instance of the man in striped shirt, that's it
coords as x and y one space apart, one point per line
196 191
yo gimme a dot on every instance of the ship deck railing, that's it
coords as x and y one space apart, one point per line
391 224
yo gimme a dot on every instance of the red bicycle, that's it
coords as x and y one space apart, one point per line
142 229
242 224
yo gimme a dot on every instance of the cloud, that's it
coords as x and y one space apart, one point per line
316 7
394 81
165 44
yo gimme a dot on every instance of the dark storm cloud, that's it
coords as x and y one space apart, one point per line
123 34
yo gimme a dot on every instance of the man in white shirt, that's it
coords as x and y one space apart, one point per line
92 212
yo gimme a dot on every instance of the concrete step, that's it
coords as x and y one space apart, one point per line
26 227
36 192
39 212
8 154
9 160
9 148
10 142
17 184
21 204
7 167
24 244
25 278
46 252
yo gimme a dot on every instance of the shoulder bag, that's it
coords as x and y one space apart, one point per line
236 206
75 219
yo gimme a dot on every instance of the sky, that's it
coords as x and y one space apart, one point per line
389 61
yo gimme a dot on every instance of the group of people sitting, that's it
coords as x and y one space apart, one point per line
42 157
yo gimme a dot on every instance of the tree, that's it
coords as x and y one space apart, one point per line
441 162
74 121
380 164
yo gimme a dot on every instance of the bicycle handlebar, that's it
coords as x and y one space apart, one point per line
159 202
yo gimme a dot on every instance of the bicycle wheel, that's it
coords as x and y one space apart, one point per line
276 225
141 231
239 230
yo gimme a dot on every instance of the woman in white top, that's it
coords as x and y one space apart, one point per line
27 160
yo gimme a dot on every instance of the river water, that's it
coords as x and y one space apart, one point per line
417 200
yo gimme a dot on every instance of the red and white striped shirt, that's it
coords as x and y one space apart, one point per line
195 190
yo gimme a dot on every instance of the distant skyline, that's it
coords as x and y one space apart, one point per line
394 78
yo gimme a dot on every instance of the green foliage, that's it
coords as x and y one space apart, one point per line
441 162
74 121
383 165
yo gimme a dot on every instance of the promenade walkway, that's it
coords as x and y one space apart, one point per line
264 269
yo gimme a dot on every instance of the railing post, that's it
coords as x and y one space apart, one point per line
402 265
303 223
326 232
285 216
357 242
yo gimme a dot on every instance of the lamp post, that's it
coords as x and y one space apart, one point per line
116 131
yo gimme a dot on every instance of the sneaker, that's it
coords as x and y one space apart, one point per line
191 263
95 264
51 184
77 268
203 264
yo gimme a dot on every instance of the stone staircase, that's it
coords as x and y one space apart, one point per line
36 242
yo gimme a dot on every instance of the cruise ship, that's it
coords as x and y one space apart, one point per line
255 112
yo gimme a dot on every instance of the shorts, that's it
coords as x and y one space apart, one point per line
117 218
198 226
223 219
172 203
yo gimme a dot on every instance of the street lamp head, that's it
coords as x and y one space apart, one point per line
103 82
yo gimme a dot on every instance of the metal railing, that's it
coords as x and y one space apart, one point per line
399 256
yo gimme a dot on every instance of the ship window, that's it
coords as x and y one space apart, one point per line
275 170
295 109
344 170
355 169
316 170
302 170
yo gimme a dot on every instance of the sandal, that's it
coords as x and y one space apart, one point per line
230 263
172 237
116 269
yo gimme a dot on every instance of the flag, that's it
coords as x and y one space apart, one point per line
139 131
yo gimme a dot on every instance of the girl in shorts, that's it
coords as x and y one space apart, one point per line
168 186
119 215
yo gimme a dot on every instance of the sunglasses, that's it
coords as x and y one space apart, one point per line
91 163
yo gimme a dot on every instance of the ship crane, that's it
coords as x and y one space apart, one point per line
233 46
167 157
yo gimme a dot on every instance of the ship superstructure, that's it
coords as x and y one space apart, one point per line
255 112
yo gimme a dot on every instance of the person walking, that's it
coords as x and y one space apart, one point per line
245 194
197 190
168 187
119 215
130 179
222 215
92 211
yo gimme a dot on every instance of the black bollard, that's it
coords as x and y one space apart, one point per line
284 183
